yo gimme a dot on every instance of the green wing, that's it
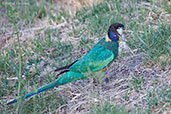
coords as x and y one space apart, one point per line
95 60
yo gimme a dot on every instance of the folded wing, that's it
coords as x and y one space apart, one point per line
95 60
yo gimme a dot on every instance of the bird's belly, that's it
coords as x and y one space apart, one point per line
105 68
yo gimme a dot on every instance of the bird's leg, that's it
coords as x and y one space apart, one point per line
99 78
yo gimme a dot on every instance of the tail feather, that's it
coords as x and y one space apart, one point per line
40 90
68 77
62 72
11 102
65 68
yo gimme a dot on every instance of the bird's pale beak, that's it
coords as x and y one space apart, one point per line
120 32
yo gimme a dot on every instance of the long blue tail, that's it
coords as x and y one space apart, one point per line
40 90
68 77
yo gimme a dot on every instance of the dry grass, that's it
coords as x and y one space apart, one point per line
117 88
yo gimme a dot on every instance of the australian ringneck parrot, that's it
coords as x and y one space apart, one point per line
96 60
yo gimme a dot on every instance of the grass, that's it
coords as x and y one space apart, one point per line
147 30
155 43
109 109
159 98
137 83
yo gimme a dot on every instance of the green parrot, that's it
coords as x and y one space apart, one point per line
96 60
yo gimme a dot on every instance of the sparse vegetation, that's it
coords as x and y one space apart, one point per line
109 109
137 83
38 36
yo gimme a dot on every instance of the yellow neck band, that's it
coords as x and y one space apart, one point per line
107 38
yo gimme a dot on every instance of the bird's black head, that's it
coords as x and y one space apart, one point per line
115 31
